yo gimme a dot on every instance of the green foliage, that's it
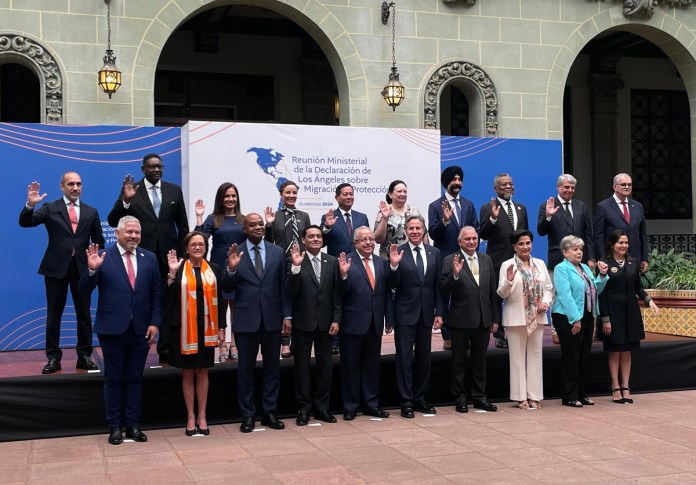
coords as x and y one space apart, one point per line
671 271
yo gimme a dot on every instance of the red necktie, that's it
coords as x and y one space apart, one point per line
72 213
368 270
625 212
130 269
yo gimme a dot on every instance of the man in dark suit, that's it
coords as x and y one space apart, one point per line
447 215
496 231
71 225
468 282
128 316
159 206
417 310
262 308
313 284
621 212
367 302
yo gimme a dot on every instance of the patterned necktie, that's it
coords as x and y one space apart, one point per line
567 209
510 214
474 268
459 210
420 267
130 270
368 270
156 202
625 212
316 264
258 263
292 234
73 216
349 224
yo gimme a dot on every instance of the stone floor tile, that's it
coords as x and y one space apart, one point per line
550 438
355 440
506 476
366 454
414 435
323 476
465 462
277 448
529 455
67 469
153 475
680 461
65 453
393 471
587 451
649 446
225 471
439 447
295 462
229 452
565 473
632 467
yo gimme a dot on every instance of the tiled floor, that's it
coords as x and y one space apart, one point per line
652 441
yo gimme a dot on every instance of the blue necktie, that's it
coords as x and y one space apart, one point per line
420 267
459 211
156 202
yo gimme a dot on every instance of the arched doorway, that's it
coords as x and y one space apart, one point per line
20 94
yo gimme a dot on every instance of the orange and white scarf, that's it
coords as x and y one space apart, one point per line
189 308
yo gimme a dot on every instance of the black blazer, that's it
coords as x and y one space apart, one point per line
562 225
61 239
470 304
315 305
608 217
415 298
164 232
618 303
276 232
499 247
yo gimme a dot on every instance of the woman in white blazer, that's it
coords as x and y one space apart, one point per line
527 291
573 313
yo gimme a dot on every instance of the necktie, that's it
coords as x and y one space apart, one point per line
510 214
292 235
368 270
419 263
349 224
130 270
156 202
567 209
73 216
459 210
474 268
316 264
258 264
625 212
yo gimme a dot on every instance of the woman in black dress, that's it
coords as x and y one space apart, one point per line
194 311
619 314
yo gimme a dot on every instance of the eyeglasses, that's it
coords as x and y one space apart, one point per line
366 240
155 167
625 185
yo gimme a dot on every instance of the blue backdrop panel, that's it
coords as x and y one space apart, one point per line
102 155
534 166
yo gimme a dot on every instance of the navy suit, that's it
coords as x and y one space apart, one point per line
362 325
259 308
562 225
417 302
608 217
445 236
338 240
63 263
123 315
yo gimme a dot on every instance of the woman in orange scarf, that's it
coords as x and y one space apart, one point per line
194 311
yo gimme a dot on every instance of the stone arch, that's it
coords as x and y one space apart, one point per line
311 15
32 54
485 114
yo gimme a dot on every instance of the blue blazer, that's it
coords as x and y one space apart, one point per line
445 237
259 299
570 290
608 217
118 302
338 240
415 297
361 304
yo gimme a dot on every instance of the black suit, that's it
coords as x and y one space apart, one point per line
562 224
417 302
63 263
472 311
276 233
316 305
608 217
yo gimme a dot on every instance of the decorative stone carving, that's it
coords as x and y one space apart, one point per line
472 73
647 7
49 72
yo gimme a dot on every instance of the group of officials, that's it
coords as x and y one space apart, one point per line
312 295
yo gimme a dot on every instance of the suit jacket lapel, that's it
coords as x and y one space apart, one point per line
309 267
467 269
361 268
341 221
145 197
566 217
120 265
246 259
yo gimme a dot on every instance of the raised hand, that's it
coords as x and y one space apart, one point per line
511 272
602 267
385 209
457 264
446 211
343 264
128 189
94 260
233 258
551 208
495 208
200 208
395 255
269 215
296 256
330 219
33 196
173 262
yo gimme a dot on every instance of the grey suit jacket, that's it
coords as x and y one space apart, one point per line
562 225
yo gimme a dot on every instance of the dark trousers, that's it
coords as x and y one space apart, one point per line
360 362
56 296
575 352
124 362
476 339
302 342
248 348
500 333
413 368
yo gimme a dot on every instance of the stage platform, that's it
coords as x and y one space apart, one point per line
70 403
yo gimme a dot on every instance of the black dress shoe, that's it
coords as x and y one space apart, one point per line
191 432
52 366
164 357
203 431
462 407
134 433
485 405
115 437
271 420
501 343
407 412
375 412
86 364
247 425
586 401
425 408
324 415
334 349
302 418
349 416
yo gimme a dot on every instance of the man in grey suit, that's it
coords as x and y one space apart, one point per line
468 281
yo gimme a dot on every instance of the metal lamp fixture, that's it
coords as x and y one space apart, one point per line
393 92
109 75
